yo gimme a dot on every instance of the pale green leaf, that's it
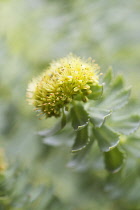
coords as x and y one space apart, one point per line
81 140
98 116
79 117
81 155
63 137
117 84
132 145
127 125
106 138
108 77
97 92
116 100
57 127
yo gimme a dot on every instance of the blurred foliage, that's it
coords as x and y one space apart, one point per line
32 33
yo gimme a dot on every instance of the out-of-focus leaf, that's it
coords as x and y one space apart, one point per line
80 155
62 137
107 139
98 116
116 100
79 116
114 160
2 177
81 140
63 120
57 127
127 125
108 77
132 145
118 84
2 186
97 92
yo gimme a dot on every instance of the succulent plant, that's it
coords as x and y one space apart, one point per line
72 81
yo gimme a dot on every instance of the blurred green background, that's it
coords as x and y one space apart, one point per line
32 33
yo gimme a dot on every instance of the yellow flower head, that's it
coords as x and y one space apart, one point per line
64 81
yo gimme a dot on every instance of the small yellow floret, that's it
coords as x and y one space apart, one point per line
58 85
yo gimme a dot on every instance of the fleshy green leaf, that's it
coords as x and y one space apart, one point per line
98 116
79 116
127 125
116 100
97 92
57 127
107 139
81 140
114 160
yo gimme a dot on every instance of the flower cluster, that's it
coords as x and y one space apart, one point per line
64 81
